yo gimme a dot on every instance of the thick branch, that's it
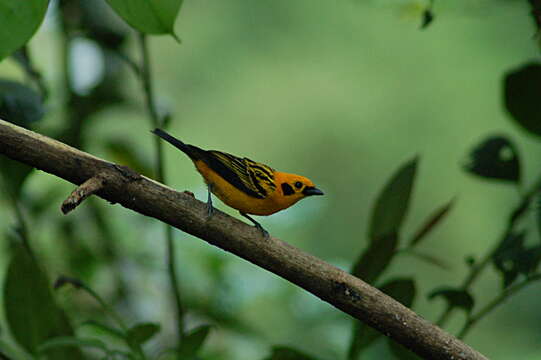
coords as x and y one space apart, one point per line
342 290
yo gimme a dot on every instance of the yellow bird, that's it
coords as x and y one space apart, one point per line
245 185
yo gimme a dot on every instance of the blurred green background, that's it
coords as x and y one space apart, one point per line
343 92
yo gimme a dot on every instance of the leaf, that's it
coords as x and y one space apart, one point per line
20 104
392 203
401 352
288 353
27 296
428 17
522 88
497 158
194 340
512 258
141 333
376 258
14 174
22 18
71 341
402 290
123 152
431 222
454 297
149 16
106 329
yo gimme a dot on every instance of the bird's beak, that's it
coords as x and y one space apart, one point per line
312 190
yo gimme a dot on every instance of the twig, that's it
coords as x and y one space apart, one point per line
89 187
156 121
150 198
478 267
504 295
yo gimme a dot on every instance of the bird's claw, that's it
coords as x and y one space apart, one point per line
264 232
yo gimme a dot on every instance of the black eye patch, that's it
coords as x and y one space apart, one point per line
298 184
287 189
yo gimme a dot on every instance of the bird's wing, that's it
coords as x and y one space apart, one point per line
250 177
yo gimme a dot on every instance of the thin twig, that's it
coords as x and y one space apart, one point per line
478 267
156 121
89 187
504 295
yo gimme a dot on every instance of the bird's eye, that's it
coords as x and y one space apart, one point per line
298 184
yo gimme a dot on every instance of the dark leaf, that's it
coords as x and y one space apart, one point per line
71 341
288 353
376 258
22 19
431 222
13 174
194 340
141 333
27 296
20 104
149 17
428 17
403 291
512 258
392 203
363 336
522 89
496 158
454 297
104 329
123 153
400 352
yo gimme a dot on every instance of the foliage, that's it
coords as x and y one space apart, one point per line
102 331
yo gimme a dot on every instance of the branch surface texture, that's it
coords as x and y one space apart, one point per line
181 210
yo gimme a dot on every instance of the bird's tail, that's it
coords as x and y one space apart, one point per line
192 151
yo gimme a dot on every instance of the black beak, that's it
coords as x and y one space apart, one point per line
311 190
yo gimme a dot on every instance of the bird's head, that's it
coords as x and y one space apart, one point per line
295 187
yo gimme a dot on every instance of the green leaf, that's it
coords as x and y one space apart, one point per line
401 352
454 297
141 333
497 158
512 258
375 259
149 16
20 20
403 291
194 340
71 341
431 223
521 96
428 17
105 329
20 104
288 353
31 311
392 203
14 174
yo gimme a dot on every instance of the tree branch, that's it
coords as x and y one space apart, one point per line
150 198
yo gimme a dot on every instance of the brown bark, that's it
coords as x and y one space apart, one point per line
183 211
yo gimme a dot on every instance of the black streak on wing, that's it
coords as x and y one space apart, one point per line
228 174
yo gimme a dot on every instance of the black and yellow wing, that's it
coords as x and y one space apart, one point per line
252 178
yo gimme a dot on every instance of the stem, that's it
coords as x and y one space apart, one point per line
478 268
504 295
156 121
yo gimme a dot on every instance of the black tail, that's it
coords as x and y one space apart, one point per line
192 151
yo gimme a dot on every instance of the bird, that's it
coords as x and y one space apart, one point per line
248 186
